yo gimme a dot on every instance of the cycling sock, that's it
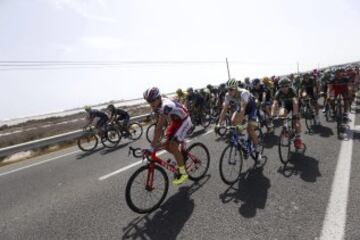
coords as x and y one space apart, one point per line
182 170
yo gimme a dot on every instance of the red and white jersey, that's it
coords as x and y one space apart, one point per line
172 109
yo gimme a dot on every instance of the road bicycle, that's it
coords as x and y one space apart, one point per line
109 138
287 139
239 147
147 188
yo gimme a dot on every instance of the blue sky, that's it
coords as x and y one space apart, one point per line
259 37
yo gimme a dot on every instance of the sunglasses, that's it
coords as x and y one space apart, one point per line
285 86
231 89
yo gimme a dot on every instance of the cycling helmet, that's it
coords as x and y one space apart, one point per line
111 107
222 86
87 108
190 90
247 80
209 86
284 81
232 84
255 82
179 91
151 94
266 80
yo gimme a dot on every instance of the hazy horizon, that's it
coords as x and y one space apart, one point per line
260 37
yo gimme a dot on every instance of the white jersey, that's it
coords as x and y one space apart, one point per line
171 108
242 95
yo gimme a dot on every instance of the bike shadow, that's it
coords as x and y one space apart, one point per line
270 140
305 166
251 190
85 154
167 221
322 131
197 133
120 146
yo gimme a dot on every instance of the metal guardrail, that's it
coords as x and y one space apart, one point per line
51 140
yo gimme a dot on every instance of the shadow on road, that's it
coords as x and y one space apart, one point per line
85 154
166 222
322 130
270 140
305 166
110 150
197 133
251 190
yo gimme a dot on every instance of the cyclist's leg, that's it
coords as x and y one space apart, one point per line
176 134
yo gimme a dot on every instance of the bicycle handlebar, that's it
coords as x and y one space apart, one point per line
136 152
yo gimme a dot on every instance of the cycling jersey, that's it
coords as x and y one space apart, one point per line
119 114
180 122
103 118
243 95
282 97
173 109
93 113
258 93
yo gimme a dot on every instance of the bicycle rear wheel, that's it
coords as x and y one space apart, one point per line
230 164
88 142
135 130
150 132
197 161
146 189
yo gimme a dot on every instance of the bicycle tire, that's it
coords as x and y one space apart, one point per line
112 137
284 158
129 186
260 136
89 137
223 161
135 130
193 165
150 132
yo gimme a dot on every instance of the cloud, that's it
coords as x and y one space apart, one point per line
89 9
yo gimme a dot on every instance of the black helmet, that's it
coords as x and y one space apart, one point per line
111 107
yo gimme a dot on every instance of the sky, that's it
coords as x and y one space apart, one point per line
170 44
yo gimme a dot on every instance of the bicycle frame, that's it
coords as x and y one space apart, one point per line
153 160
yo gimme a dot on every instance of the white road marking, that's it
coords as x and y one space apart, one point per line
209 132
125 168
335 218
38 163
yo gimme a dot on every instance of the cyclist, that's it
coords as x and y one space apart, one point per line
101 118
247 84
179 125
263 97
310 87
246 106
194 102
339 85
180 96
288 100
117 115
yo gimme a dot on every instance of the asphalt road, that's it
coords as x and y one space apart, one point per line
70 195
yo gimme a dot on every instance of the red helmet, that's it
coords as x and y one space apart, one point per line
151 94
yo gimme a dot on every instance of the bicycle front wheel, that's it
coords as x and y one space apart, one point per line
146 189
88 142
197 161
135 130
230 164
112 137
284 147
150 132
